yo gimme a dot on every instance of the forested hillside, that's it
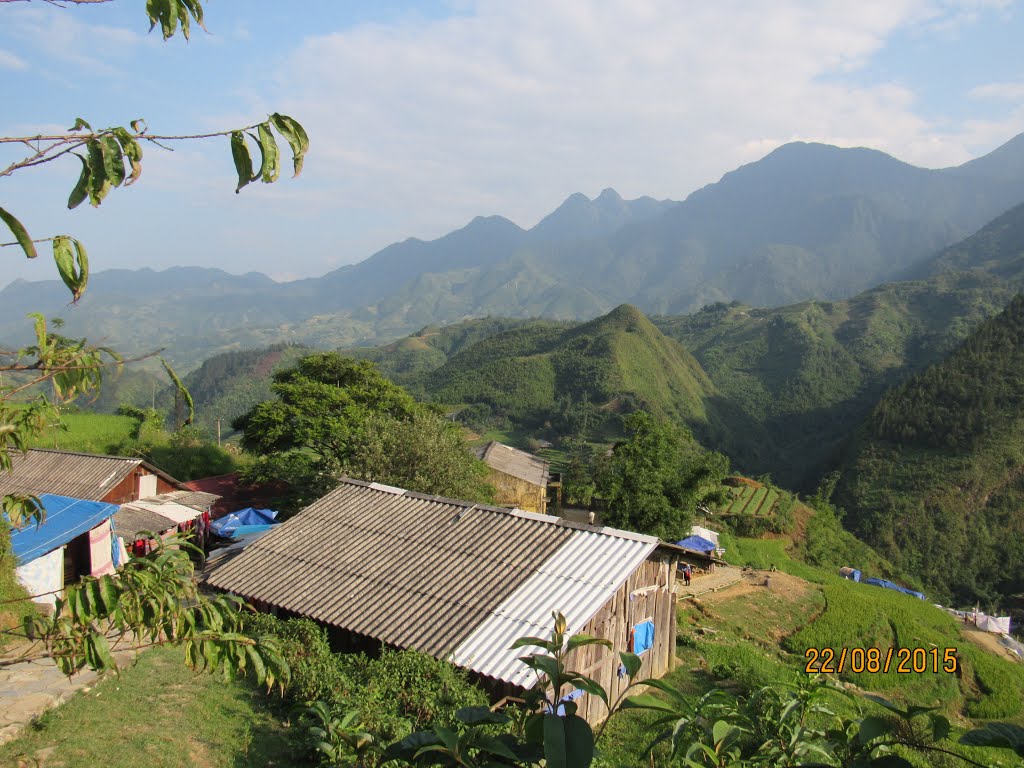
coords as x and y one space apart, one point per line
574 380
935 479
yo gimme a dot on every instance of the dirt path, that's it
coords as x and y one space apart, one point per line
723 577
989 642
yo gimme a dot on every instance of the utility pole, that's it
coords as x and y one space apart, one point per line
218 431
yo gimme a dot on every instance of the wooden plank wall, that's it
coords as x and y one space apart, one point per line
647 594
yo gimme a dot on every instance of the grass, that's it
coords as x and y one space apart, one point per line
161 715
759 638
87 432
14 605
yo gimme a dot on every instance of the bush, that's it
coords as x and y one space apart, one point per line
404 691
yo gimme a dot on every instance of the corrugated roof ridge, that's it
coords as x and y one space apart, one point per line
79 453
560 522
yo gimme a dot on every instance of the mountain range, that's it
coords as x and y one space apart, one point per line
806 221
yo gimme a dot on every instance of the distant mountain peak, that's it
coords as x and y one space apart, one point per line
608 194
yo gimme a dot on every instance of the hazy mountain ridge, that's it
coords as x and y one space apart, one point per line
805 221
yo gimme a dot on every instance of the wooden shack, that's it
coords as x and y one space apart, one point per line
519 478
462 581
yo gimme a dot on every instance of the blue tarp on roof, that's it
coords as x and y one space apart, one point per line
226 526
890 585
697 544
66 519
250 530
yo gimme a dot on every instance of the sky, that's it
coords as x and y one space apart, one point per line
423 115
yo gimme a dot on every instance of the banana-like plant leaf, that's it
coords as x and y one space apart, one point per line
20 234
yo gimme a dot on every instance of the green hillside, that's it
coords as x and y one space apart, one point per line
798 379
228 385
935 480
578 378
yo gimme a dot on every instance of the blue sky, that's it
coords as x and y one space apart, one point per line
422 115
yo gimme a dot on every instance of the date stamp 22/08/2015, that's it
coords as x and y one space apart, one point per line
904 661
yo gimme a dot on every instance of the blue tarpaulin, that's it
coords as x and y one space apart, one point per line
643 637
227 525
250 530
66 519
890 585
697 544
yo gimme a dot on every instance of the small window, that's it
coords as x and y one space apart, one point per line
643 637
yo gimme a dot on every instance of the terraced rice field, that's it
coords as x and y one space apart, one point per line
752 500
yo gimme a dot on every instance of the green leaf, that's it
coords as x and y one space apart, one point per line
113 163
578 640
647 701
496 747
589 685
19 234
243 162
631 662
138 125
183 18
479 716
79 125
579 742
81 190
554 742
721 731
196 9
133 151
168 12
269 167
537 641
99 185
296 137
73 265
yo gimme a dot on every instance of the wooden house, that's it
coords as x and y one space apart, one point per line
149 498
380 566
520 478
113 479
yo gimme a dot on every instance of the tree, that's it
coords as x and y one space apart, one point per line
656 478
153 600
425 453
336 415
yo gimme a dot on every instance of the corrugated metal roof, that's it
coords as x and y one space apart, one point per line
189 498
449 578
129 521
68 473
512 461
580 577
178 513
78 475
66 518
411 570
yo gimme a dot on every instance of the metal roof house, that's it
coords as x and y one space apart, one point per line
520 478
114 479
462 581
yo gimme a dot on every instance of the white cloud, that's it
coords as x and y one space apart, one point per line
9 60
1005 91
512 106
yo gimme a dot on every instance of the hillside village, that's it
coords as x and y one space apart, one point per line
727 474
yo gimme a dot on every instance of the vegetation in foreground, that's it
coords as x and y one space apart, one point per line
160 714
